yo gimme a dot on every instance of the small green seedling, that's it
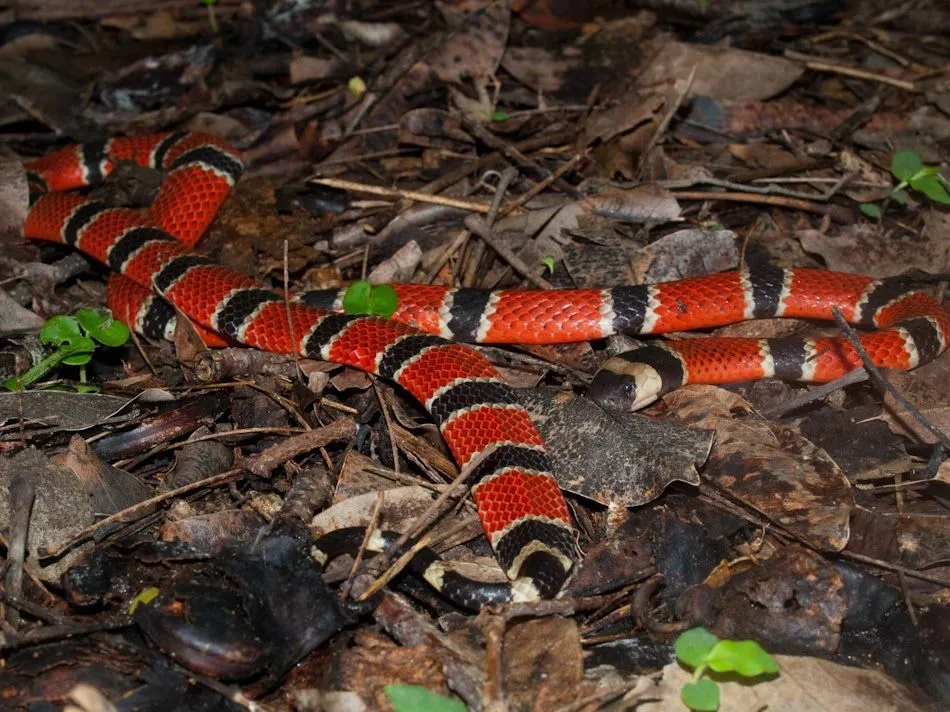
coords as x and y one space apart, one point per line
549 263
499 116
212 18
75 339
371 299
912 173
412 698
701 650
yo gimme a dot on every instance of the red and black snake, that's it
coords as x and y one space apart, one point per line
520 506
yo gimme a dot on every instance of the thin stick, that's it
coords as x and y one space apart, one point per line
857 375
897 568
771 187
63 631
402 562
504 182
478 226
446 255
878 378
290 321
808 206
511 152
665 122
213 481
823 66
403 194
434 510
384 409
538 187
367 535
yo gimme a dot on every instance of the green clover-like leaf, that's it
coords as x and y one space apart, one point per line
356 298
83 347
60 330
412 698
92 319
100 325
872 210
701 696
383 301
933 188
924 172
905 165
693 645
65 333
745 657
361 297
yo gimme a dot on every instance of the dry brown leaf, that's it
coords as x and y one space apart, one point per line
374 661
863 171
686 253
61 509
721 72
14 196
772 469
804 685
916 540
536 67
310 69
545 663
355 498
646 202
473 51
864 248
764 155
943 472
157 25
902 422
635 109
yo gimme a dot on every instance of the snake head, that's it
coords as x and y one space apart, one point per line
625 385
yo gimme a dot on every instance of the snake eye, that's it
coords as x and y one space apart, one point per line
629 389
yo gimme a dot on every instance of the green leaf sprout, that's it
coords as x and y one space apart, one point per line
872 210
212 18
699 649
911 173
361 297
75 339
412 698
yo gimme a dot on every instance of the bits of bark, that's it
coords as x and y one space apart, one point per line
263 465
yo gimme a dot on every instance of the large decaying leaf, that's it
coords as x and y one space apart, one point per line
613 458
753 461
803 685
717 70
475 49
